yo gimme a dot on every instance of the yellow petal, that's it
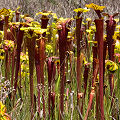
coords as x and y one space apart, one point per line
95 7
81 10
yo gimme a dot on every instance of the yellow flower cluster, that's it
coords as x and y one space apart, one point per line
95 7
116 35
25 64
91 29
111 66
9 43
45 13
3 115
24 57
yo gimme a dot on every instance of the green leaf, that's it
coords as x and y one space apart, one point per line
57 84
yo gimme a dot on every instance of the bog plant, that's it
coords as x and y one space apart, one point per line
57 69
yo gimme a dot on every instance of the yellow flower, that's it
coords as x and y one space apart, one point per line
117 20
84 23
4 11
1 35
24 60
70 35
45 13
95 7
88 19
54 15
49 48
29 19
93 42
116 35
62 20
118 27
93 28
40 31
24 74
89 31
117 44
3 115
104 36
9 43
2 108
2 57
1 53
81 10
111 66
17 8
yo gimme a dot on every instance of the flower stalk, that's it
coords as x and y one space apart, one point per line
37 65
51 75
78 37
110 29
99 33
18 50
31 54
63 32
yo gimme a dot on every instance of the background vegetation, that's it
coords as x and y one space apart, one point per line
62 8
